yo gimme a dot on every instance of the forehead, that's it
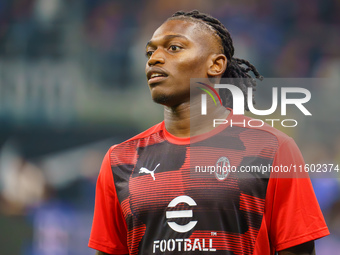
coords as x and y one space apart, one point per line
193 31
176 26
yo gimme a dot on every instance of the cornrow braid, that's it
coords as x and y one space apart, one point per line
234 65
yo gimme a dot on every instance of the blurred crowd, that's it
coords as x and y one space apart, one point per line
79 65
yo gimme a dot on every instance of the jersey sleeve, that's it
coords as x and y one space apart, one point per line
109 231
294 213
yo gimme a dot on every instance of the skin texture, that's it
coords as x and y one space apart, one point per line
181 49
184 49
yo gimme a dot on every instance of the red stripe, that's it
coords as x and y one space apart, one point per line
134 237
124 154
126 207
250 203
147 195
153 139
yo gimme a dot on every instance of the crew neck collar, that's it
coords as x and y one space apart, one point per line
194 139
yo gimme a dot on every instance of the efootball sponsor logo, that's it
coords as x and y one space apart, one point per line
182 244
181 214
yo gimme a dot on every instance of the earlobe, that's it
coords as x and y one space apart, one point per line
218 65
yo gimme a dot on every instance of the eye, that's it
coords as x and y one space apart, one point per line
174 48
148 53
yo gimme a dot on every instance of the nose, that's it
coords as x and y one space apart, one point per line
157 57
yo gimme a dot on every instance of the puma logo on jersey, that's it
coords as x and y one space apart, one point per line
144 170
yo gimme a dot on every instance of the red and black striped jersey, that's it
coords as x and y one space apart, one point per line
160 194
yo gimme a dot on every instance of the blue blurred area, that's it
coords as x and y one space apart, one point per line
72 84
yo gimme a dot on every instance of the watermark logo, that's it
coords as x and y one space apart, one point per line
204 97
289 96
238 100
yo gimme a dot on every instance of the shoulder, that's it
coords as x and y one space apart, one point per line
255 127
152 132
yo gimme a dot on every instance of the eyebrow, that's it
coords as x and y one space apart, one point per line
166 37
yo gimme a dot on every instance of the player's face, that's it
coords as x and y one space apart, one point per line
178 50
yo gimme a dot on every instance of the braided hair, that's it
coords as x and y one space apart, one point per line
234 65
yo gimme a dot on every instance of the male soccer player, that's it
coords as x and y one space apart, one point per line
148 201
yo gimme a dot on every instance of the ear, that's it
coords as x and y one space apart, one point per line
217 65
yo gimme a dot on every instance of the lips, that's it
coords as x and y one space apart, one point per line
155 75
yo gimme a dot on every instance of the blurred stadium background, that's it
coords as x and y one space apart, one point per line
72 83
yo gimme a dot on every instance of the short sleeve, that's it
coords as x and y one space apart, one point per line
109 232
293 212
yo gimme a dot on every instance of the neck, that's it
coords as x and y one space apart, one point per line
181 122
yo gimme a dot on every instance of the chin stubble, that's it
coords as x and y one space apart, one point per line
162 99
